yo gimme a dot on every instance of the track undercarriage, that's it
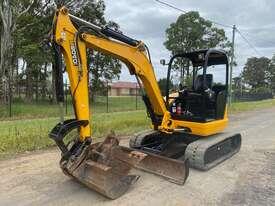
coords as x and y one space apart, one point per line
203 153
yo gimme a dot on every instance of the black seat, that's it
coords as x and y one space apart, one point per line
198 85
203 109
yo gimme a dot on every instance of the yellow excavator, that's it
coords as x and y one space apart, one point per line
186 128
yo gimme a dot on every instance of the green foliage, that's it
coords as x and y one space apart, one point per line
260 90
26 135
251 105
237 83
103 67
271 74
256 72
162 85
257 77
29 37
192 32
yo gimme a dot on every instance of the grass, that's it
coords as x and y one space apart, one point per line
26 135
22 134
249 106
22 110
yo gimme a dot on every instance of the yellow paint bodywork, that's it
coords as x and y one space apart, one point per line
136 59
196 128
78 75
203 129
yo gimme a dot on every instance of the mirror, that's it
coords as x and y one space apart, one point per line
163 62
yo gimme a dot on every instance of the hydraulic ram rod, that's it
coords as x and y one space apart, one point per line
107 31
82 21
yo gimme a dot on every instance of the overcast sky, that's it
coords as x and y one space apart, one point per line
147 20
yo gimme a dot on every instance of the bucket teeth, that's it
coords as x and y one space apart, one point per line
104 167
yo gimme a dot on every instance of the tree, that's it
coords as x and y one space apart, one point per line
192 32
28 40
271 74
11 13
255 72
103 67
237 83
237 86
162 85
32 25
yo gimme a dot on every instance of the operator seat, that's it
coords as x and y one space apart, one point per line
198 85
207 106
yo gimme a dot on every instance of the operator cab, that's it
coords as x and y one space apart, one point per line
199 98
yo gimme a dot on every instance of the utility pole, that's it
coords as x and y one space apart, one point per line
10 95
241 87
231 65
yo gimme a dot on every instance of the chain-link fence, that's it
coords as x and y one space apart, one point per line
251 96
40 102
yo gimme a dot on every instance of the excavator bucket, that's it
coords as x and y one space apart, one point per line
111 181
104 167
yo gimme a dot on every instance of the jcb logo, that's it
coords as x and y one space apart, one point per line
74 54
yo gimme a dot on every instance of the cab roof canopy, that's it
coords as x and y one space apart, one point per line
216 57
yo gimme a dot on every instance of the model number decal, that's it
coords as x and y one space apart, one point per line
74 53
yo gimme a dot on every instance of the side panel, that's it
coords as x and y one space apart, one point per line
203 129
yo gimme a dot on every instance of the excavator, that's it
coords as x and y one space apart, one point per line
187 128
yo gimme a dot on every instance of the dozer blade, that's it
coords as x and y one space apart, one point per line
104 167
173 170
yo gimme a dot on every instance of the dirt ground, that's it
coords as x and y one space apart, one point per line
248 178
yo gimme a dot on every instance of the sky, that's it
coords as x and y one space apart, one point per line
147 20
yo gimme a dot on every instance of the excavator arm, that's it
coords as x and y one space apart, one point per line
73 43
104 166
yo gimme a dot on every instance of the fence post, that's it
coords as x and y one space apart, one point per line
107 96
66 97
10 97
136 96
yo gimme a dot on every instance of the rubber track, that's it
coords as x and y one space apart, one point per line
136 140
195 152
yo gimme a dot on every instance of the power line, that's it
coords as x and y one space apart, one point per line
171 6
181 10
260 39
214 22
261 28
248 42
